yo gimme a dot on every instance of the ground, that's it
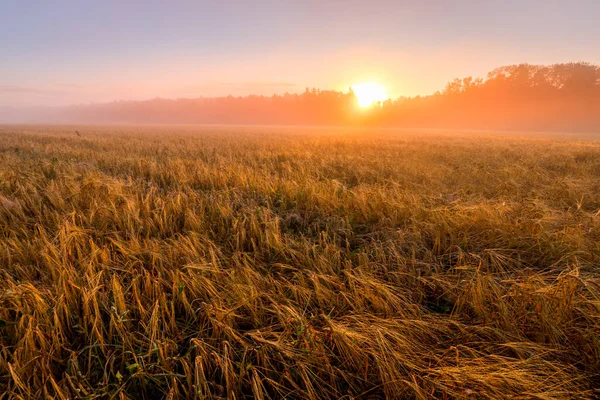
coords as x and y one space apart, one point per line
266 262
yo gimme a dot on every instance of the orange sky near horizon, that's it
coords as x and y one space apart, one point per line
68 52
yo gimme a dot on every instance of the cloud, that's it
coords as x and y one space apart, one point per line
243 88
69 85
15 89
261 84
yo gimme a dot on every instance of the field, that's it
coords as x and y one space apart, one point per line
213 262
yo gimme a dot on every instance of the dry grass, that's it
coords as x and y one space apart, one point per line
233 263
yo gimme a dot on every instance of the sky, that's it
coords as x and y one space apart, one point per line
58 52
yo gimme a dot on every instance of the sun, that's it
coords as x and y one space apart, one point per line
368 93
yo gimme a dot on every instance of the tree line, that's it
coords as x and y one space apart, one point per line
529 97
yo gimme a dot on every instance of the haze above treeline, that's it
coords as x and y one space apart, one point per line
559 97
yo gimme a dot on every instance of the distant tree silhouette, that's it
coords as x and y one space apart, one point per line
524 96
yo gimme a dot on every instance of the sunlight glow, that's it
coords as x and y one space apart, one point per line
368 93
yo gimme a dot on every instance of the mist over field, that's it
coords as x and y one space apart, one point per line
559 97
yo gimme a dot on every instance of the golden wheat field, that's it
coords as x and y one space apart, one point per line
213 262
